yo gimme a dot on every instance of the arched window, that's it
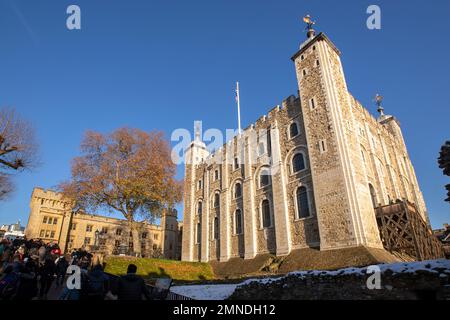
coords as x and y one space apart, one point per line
298 162
216 200
238 221
216 228
237 190
199 232
302 203
264 178
293 130
199 208
265 210
373 195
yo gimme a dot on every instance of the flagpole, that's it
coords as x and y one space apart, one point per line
239 107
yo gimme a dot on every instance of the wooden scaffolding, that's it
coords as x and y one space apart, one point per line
403 231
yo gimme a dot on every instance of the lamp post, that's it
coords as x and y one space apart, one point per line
97 233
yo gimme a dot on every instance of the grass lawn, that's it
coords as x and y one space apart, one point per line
179 271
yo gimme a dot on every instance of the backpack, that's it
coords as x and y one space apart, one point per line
8 285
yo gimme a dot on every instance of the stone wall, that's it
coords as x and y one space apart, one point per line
430 282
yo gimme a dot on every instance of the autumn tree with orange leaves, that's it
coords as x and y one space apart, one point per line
129 171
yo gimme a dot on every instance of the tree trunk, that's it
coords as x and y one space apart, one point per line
135 238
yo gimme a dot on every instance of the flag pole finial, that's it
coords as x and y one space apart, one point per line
238 107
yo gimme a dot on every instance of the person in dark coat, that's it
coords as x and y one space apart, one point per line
28 288
96 284
47 272
61 270
131 286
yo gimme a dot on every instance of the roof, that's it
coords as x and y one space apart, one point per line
308 43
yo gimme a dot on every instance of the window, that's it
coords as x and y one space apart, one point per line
265 210
238 222
236 163
144 235
261 148
55 220
155 247
302 203
199 184
74 226
373 195
50 220
317 63
52 234
237 190
298 162
117 243
102 242
155 236
89 228
304 72
199 208
71 242
312 103
104 230
322 146
264 178
118 232
314 48
302 57
87 241
216 228
199 232
293 130
216 175
130 245
47 233
44 220
216 200
42 233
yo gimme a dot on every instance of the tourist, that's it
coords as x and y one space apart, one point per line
9 282
46 272
97 284
42 253
27 288
131 286
61 269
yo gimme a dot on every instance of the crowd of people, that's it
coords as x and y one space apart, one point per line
30 269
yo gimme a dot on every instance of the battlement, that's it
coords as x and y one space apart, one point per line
261 121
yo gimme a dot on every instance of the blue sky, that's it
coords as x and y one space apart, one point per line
163 64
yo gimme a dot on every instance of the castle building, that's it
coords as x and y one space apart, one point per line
53 220
306 175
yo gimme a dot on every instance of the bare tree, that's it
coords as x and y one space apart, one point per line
128 171
444 164
18 148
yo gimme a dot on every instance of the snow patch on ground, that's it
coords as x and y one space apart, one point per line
223 291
